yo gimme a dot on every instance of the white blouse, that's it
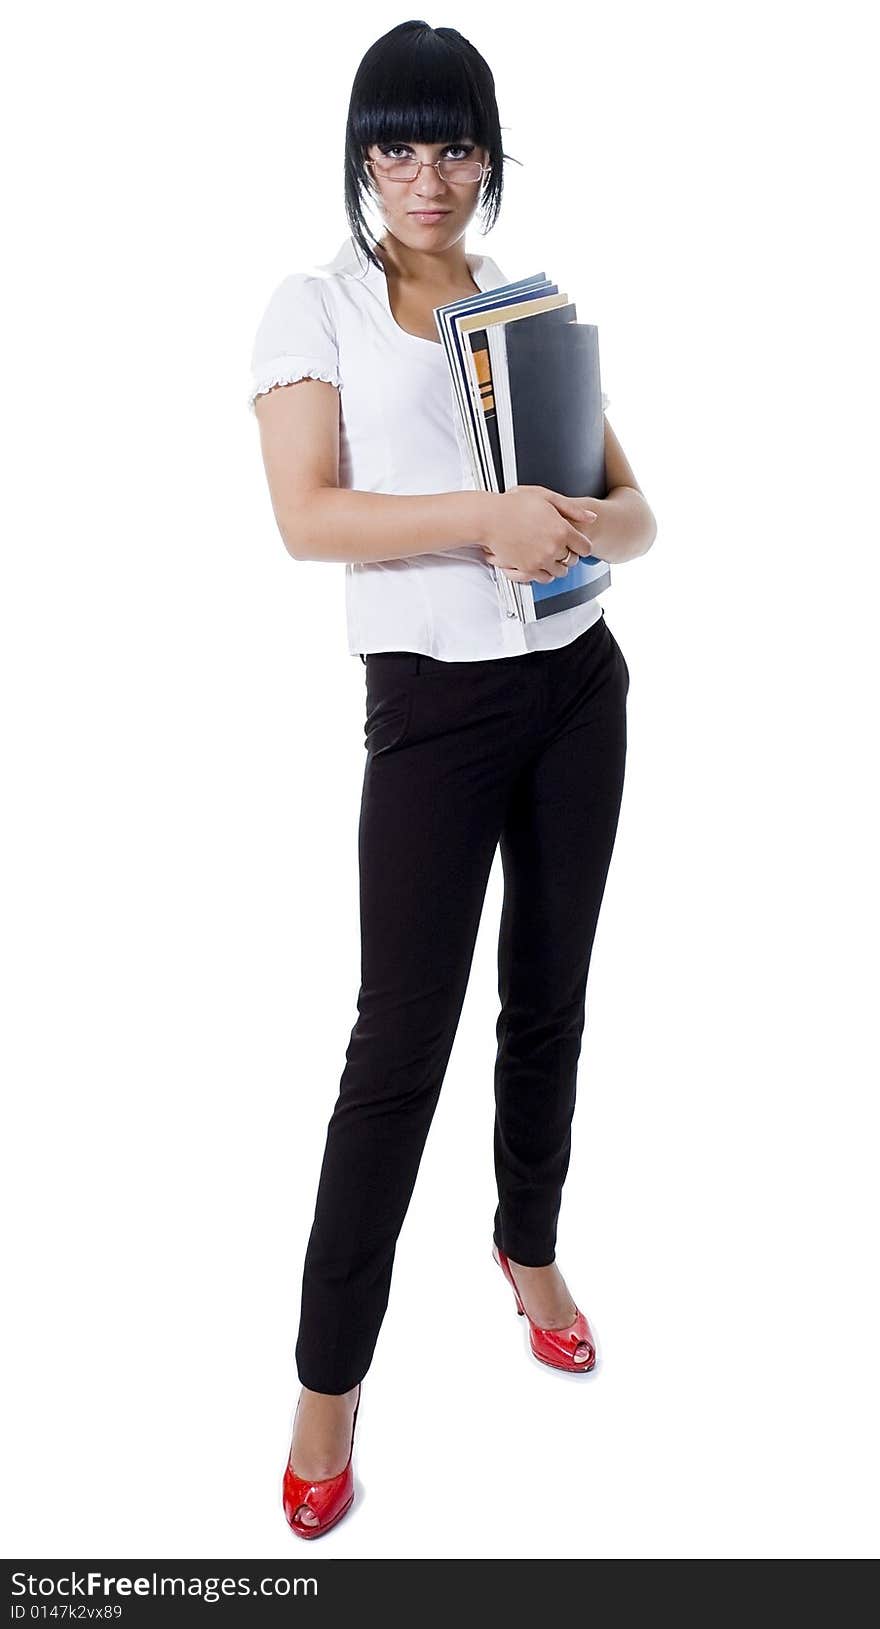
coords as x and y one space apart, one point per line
399 432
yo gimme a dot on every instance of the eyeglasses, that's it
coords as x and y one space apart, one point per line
459 170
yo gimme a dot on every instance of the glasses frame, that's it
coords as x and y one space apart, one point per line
425 164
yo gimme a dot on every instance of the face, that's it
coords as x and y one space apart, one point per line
430 212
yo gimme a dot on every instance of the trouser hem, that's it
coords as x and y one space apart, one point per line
524 1253
332 1385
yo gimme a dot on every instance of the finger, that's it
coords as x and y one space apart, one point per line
574 509
512 572
540 576
580 544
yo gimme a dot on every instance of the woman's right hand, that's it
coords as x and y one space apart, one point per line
528 530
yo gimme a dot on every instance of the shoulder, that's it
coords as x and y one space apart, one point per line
491 272
296 334
299 293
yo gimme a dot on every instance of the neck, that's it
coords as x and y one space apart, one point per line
423 265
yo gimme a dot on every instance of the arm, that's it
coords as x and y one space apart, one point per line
319 520
626 526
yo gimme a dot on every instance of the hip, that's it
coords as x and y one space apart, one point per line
414 698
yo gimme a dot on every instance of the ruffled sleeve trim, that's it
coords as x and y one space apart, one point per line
286 370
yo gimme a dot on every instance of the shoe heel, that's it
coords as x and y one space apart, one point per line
506 1271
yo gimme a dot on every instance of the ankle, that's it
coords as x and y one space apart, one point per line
329 1400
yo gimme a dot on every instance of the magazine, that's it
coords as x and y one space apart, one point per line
527 389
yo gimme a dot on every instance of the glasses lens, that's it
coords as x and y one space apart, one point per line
460 169
396 169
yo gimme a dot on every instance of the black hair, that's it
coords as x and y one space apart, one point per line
423 84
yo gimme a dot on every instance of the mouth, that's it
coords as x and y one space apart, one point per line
429 215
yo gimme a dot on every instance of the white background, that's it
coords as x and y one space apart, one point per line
183 753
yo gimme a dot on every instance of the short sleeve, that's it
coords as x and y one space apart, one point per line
295 338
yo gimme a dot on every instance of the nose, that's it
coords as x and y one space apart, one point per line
430 186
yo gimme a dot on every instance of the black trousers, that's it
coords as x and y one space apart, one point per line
527 751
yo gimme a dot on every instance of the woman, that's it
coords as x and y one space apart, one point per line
479 729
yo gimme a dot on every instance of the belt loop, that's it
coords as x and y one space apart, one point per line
418 667
362 657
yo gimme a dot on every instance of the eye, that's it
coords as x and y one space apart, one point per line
396 149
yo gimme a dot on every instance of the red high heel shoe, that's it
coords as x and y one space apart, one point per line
556 1347
329 1498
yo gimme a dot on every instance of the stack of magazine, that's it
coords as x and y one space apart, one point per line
526 384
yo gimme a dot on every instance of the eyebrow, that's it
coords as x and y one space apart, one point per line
403 141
